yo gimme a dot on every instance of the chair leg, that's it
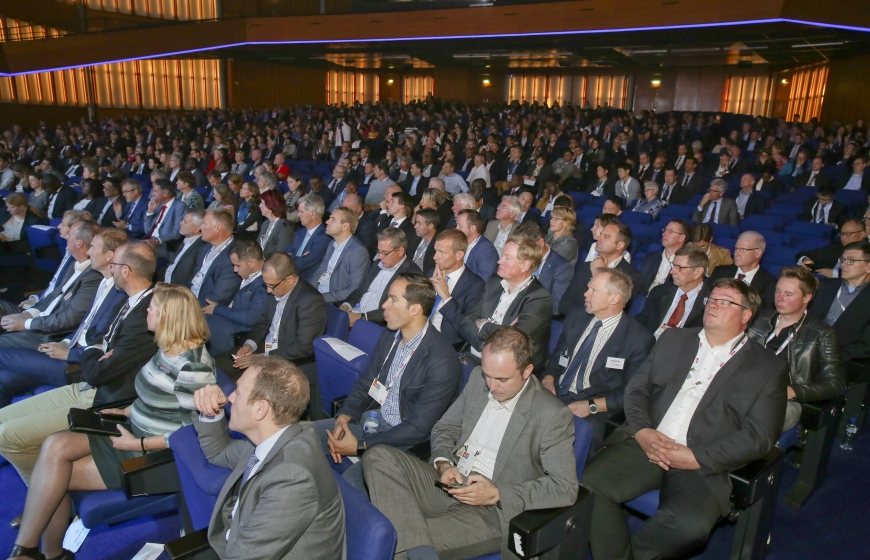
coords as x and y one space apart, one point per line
814 463
752 536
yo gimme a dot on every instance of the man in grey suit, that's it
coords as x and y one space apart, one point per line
281 500
346 262
61 311
715 208
691 418
504 446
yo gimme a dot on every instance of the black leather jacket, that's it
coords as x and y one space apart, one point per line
815 370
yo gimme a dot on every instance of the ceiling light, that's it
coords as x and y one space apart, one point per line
655 83
827 44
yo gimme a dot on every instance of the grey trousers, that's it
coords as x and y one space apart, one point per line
403 488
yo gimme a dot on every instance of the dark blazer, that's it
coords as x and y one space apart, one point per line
101 322
531 312
131 346
313 252
853 325
73 307
815 371
836 215
303 320
248 305
823 257
555 276
482 259
696 185
279 238
573 297
289 509
247 215
678 195
428 257
659 301
406 226
754 205
466 295
187 265
109 218
377 315
822 179
367 232
21 247
648 271
763 282
349 272
865 181
629 341
738 419
134 216
220 282
422 185
429 384
65 199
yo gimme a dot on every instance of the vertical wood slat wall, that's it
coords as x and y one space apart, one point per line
162 9
417 88
582 90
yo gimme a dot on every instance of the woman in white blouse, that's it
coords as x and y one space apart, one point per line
13 238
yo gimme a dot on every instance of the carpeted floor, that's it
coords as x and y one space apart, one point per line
831 526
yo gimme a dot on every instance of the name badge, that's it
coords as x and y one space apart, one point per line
378 391
324 278
269 347
466 462
615 363
563 360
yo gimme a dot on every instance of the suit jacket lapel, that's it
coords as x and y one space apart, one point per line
514 429
612 343
734 364
683 358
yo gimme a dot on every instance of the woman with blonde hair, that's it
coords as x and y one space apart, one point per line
70 461
561 238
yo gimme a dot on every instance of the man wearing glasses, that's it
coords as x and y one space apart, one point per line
747 267
656 267
691 418
678 304
715 208
134 212
825 261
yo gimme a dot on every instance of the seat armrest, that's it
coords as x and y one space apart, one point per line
817 415
337 403
753 481
150 474
534 533
193 546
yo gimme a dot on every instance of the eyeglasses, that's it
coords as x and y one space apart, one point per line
127 191
745 249
723 303
387 253
672 232
845 233
681 267
850 261
276 284
120 264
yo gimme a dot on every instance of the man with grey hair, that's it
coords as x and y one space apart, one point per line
183 266
499 230
311 241
748 252
379 184
265 180
715 208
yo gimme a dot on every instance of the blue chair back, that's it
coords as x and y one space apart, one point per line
336 322
370 535
364 335
201 482
555 332
637 304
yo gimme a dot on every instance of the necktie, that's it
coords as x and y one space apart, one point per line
157 221
304 243
435 306
249 466
741 277
579 360
712 217
332 185
679 311
819 214
686 180
394 223
812 181
667 194
116 322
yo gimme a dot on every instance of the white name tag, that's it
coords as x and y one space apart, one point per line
615 363
378 391
563 360
269 346
466 463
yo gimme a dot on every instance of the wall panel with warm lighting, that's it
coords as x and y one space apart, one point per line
807 92
417 88
588 89
748 95
347 88
16 30
162 9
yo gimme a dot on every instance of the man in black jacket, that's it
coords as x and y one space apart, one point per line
679 304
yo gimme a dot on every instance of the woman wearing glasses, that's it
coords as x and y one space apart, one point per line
809 346
165 385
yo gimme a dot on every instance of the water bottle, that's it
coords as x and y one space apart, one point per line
370 426
848 443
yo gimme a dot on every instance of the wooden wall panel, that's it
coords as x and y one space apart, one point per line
846 96
261 84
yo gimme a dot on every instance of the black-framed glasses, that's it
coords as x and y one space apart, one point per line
723 303
276 284
850 260
383 254
681 267
120 264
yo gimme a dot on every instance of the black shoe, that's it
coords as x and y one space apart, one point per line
16 522
26 552
65 555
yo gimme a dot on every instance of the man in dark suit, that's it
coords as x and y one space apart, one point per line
214 278
843 304
134 211
61 197
814 177
412 378
515 298
113 205
61 311
294 317
366 301
613 241
691 418
108 366
748 200
248 305
310 242
679 303
22 369
859 179
184 263
286 503
415 184
825 260
346 262
367 224
522 460
748 252
599 350
692 179
825 210
715 208
555 272
656 267
426 223
399 210
458 290
481 257
672 191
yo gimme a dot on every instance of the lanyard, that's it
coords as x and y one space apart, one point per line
734 349
791 335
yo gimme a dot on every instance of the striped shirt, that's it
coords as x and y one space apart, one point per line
165 387
607 327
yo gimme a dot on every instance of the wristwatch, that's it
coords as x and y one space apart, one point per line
593 408
360 447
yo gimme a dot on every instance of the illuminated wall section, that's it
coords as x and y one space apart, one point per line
347 88
807 92
138 84
417 88
17 30
593 90
748 95
163 9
